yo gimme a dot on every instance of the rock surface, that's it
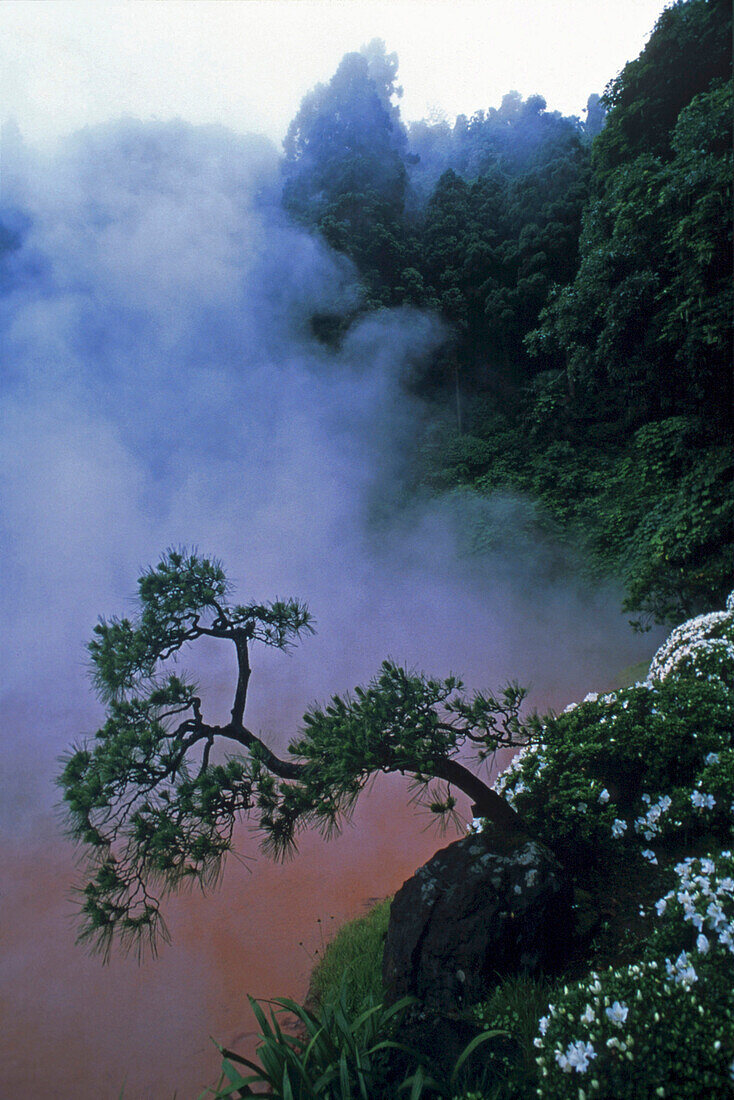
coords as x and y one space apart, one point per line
483 907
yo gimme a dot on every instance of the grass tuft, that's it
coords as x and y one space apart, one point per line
352 962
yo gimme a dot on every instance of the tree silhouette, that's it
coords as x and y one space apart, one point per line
153 811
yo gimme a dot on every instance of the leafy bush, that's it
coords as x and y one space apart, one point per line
514 1008
641 763
701 647
660 1027
338 1055
624 778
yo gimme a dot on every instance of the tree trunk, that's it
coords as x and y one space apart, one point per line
485 802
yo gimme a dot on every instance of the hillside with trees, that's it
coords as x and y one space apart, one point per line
584 272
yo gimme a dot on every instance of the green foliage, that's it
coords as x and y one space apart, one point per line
587 288
335 1055
344 167
624 432
619 772
643 331
622 785
644 327
142 798
514 1008
154 813
656 510
351 964
637 745
663 1026
689 48
493 238
401 722
668 513
674 1041
338 1055
518 140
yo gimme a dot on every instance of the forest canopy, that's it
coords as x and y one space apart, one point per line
584 271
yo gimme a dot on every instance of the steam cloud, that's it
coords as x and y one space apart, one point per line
161 385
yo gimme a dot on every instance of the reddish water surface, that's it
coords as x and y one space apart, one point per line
76 1029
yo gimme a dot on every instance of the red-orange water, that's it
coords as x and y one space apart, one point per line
75 1029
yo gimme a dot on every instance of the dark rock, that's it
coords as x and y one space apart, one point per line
482 908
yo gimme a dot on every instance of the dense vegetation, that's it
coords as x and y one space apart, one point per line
584 273
634 790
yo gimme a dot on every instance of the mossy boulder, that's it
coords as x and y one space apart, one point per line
481 908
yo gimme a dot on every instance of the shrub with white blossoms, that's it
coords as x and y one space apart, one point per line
529 761
620 773
697 914
639 1031
701 647
622 780
662 1027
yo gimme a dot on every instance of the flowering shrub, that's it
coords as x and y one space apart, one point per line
625 779
616 775
661 1027
700 647
698 913
640 1031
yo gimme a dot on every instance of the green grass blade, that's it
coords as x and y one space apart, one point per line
344 1083
469 1049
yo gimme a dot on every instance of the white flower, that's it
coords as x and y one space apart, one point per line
681 971
649 855
703 801
577 1056
604 796
588 1016
618 828
715 914
617 1013
543 1024
702 944
661 906
711 758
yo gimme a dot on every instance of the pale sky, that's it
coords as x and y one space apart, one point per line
246 64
